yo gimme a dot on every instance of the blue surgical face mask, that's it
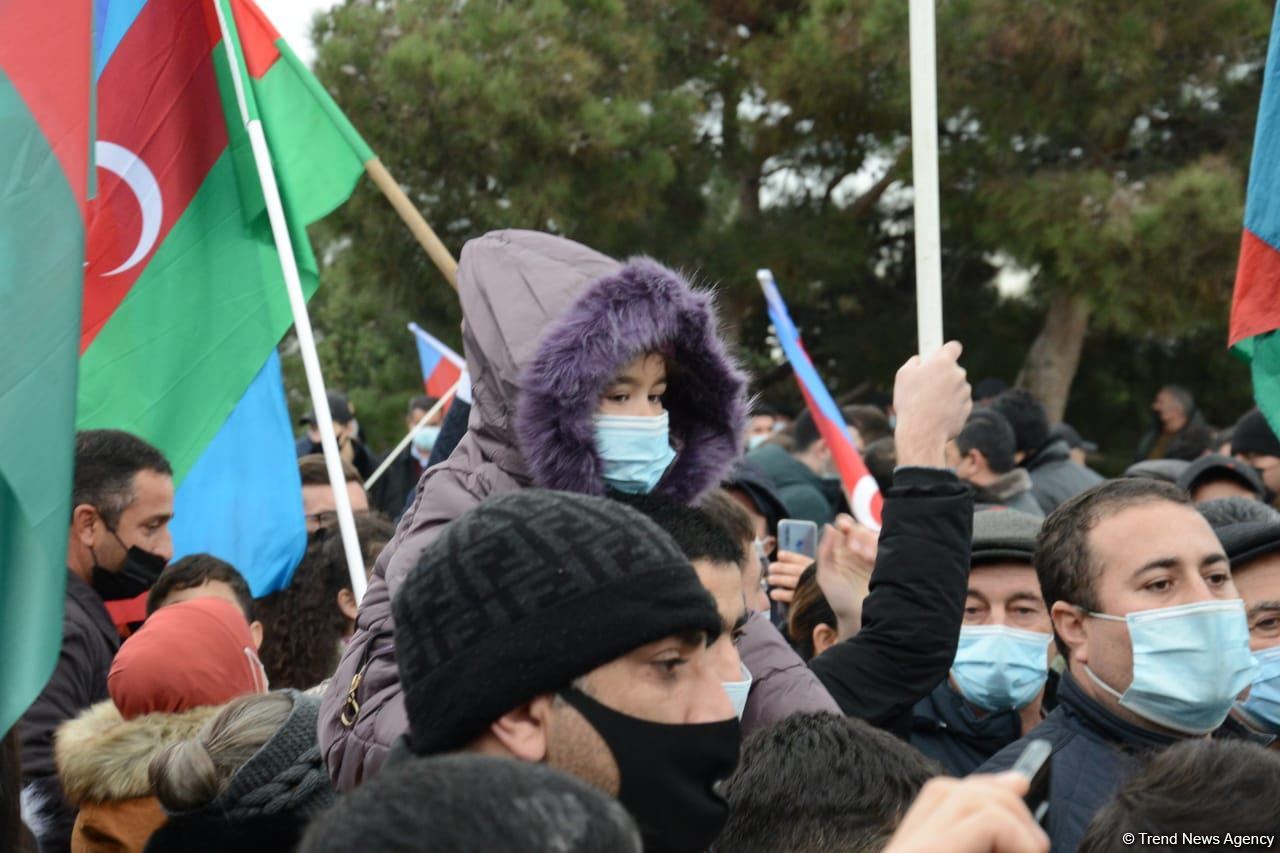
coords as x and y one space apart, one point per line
754 441
636 451
999 668
425 438
1263 703
1189 664
738 691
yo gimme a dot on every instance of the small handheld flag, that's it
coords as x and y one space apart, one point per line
441 366
864 494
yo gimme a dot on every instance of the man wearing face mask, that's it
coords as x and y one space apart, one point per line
1153 629
570 630
392 490
118 544
1254 550
995 691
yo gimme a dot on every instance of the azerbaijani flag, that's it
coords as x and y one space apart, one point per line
1255 306
864 494
441 366
184 299
45 108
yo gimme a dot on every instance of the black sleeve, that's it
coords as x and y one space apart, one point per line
911 618
452 429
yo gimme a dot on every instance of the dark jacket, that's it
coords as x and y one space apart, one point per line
391 493
803 492
781 683
79 680
1055 478
361 457
1012 490
1093 752
911 618
1187 443
548 324
945 728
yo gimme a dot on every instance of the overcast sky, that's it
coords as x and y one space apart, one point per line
293 19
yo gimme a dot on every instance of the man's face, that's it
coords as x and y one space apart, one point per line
416 415
965 465
144 523
761 425
1172 414
321 509
759 524
1227 487
724 582
1148 556
1259 584
669 681
1267 466
1006 593
212 589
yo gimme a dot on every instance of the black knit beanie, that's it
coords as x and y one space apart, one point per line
524 594
1254 435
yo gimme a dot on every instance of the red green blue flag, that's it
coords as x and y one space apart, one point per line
184 299
864 494
45 128
1255 306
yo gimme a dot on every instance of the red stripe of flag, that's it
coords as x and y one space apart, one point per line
1255 304
257 37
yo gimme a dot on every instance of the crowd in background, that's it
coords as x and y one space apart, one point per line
581 634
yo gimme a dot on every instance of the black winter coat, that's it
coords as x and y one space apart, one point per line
947 730
911 619
79 680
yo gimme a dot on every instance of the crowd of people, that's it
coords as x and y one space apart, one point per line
580 633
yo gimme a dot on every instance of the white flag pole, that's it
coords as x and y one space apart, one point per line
301 320
404 442
924 160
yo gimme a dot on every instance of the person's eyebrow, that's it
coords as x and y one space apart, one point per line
1264 607
973 593
1027 595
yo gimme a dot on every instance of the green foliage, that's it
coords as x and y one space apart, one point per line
1103 145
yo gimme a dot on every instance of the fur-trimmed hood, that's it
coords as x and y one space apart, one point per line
103 757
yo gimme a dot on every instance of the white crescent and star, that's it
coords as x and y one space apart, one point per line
140 180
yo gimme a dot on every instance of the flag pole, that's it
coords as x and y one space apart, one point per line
404 442
301 320
418 226
924 160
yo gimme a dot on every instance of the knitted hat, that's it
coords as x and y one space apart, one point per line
1004 535
1254 435
286 774
1249 540
525 593
194 653
1210 469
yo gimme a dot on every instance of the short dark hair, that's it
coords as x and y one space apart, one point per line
696 533
1063 562
729 515
197 570
804 432
988 432
809 609
422 402
869 421
467 801
1237 509
1026 415
314 473
1194 786
821 782
881 458
106 462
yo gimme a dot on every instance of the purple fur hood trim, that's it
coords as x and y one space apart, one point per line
643 307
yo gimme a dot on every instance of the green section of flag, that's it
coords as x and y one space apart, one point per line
41 269
197 326
1262 353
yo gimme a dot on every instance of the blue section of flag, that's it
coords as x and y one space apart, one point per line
789 340
1262 203
242 500
111 20
428 357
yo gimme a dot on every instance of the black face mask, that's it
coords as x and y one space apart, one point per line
136 576
668 773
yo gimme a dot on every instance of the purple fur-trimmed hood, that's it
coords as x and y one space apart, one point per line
643 307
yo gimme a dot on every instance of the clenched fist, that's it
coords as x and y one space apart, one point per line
932 400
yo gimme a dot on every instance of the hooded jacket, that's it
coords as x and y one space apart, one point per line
102 764
1011 489
801 491
547 324
1055 478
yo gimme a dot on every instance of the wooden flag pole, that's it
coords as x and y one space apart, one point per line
924 161
418 226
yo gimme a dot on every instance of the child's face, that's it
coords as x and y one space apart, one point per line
637 389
